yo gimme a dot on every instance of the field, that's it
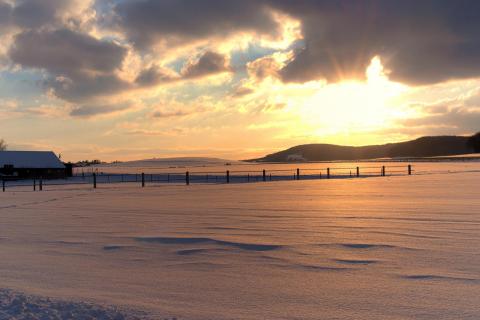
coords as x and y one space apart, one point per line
405 247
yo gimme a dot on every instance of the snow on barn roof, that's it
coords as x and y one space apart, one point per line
31 159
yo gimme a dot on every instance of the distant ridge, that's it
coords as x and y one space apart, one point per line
418 148
176 161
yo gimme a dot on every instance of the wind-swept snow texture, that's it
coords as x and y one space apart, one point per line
380 248
18 306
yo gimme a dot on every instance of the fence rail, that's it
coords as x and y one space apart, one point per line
206 177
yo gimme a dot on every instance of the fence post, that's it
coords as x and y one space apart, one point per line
228 176
187 178
94 180
328 173
409 169
264 175
34 185
383 171
3 185
358 172
320 174
40 185
143 180
298 174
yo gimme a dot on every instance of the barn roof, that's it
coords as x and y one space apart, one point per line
31 159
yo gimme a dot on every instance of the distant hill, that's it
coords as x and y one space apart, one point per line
421 147
176 162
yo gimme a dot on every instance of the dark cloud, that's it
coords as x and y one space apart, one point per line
83 87
421 42
87 111
5 14
80 65
154 76
209 63
65 52
36 13
147 22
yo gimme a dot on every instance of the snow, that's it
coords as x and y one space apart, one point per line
30 159
404 247
18 306
171 162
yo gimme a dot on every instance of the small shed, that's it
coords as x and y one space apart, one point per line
31 164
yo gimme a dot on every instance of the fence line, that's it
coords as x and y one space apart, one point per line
205 177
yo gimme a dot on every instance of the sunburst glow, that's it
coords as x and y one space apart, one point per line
354 105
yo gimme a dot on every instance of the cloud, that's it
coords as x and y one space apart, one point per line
267 107
82 88
172 114
80 66
458 120
420 42
167 132
65 52
155 75
5 14
87 111
12 108
150 22
460 115
242 92
263 67
474 99
210 63
36 14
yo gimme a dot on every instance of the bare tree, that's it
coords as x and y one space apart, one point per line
3 145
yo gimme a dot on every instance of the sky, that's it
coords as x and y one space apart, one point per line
136 79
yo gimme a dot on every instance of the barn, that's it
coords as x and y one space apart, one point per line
31 164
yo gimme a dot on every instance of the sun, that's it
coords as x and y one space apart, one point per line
354 106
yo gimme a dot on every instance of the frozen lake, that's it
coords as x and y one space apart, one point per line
404 247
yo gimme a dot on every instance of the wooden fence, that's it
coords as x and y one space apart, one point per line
226 177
